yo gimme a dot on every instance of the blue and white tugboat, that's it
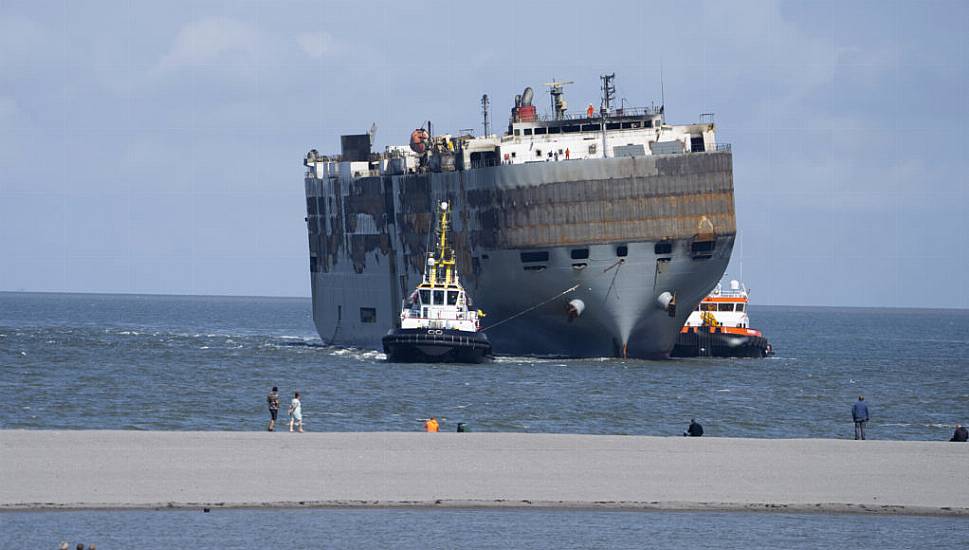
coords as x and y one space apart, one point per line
438 324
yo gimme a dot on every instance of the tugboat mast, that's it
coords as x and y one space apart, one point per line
445 256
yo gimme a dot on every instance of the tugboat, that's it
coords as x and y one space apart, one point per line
720 327
438 324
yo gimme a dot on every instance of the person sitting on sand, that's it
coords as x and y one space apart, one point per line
695 429
961 434
296 413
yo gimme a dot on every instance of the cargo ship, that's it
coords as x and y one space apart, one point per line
720 327
633 214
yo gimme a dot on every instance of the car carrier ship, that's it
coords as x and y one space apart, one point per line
582 235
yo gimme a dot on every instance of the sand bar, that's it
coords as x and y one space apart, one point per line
128 469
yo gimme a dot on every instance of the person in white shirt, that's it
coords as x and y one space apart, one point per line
296 413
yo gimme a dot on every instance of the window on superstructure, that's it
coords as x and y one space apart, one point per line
740 307
613 126
622 251
648 123
541 131
368 315
538 152
571 129
438 298
452 297
580 253
425 297
707 306
696 144
517 132
725 307
555 130
528 131
591 127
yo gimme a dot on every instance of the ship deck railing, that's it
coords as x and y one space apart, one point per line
624 112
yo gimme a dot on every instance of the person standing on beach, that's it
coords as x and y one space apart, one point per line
273 401
296 413
859 412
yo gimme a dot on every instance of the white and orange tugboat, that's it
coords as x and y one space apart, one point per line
438 324
720 327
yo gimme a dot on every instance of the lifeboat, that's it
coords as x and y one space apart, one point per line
720 327
438 323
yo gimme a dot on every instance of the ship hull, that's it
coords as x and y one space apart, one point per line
703 343
435 346
622 232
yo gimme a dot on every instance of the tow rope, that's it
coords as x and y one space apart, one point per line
520 313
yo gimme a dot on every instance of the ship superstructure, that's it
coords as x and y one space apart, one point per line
635 213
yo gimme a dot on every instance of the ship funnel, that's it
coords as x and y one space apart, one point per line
527 96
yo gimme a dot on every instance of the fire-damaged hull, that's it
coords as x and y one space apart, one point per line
642 239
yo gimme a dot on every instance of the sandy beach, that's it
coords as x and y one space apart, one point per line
128 469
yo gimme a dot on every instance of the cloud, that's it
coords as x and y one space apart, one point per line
215 41
315 44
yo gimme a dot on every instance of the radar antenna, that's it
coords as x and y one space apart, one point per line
608 92
556 89
484 113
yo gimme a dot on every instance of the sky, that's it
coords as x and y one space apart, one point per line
153 147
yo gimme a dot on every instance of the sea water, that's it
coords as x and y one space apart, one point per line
77 361
70 361
456 528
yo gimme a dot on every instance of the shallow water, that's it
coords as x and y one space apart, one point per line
426 528
205 363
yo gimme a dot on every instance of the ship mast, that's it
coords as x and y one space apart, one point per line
445 256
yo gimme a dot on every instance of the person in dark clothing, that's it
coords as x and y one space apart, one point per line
961 434
695 429
273 401
859 413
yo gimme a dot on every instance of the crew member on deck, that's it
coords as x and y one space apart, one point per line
431 425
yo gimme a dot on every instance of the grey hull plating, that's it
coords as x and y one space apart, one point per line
369 236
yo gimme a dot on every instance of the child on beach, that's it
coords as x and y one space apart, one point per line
296 413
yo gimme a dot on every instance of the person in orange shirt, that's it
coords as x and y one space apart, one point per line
431 425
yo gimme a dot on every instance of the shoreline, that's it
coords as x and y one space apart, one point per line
53 470
644 507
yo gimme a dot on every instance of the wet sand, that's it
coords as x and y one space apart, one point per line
49 470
